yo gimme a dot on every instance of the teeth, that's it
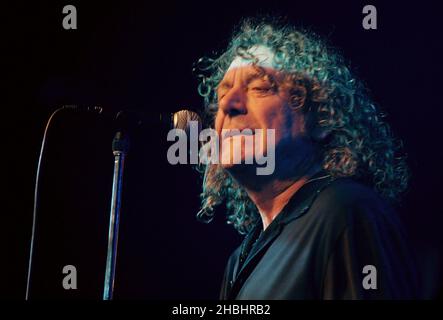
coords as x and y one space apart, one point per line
234 133
238 134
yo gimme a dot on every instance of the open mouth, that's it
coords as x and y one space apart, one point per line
227 133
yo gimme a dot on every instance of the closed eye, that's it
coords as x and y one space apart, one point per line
261 86
262 90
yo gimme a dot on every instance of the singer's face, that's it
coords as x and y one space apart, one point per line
250 99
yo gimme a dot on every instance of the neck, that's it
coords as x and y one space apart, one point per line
271 193
271 199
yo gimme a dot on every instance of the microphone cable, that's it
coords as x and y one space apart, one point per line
36 186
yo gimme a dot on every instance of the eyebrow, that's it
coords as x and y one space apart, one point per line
249 78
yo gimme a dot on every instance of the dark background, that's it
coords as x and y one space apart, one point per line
133 55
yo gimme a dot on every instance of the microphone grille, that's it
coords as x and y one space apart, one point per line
182 118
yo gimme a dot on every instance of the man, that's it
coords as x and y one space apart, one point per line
319 226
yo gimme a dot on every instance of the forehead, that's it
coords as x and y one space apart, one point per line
259 55
249 73
257 62
246 73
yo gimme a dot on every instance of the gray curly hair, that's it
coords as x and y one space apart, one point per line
360 143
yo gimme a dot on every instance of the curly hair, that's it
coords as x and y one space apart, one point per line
360 143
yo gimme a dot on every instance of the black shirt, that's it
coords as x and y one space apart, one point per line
318 247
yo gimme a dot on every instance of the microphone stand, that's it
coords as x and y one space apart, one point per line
120 146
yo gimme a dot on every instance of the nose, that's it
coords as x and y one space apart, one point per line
234 102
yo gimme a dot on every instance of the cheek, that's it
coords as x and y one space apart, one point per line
291 123
297 125
280 120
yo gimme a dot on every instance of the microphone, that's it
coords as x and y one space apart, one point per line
182 119
176 120
130 118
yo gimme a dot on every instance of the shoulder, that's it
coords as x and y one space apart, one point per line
368 232
348 204
351 212
349 192
348 199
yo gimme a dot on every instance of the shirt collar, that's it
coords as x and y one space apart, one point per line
298 204
302 200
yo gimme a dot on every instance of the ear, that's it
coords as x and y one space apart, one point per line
298 98
297 102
